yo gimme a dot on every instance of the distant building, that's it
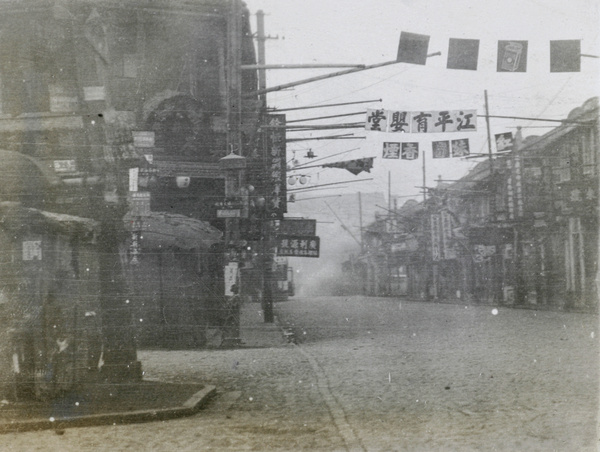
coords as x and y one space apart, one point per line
522 230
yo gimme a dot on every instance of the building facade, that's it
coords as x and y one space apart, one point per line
519 229
129 106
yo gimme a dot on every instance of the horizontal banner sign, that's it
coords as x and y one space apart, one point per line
297 226
298 246
397 121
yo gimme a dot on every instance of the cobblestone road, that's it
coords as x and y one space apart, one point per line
379 374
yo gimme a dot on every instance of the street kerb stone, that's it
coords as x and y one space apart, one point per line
147 408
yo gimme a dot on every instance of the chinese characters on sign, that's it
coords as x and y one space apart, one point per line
421 121
274 148
453 148
298 246
410 151
32 250
460 148
436 237
448 245
391 151
440 149
504 142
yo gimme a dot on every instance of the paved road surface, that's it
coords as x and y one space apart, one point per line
379 374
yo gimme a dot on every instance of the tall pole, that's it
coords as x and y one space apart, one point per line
497 282
424 180
260 41
489 137
234 80
389 190
360 223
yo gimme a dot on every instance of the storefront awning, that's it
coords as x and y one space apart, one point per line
161 230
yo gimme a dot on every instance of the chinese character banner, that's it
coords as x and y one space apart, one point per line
275 155
440 149
397 121
298 246
504 141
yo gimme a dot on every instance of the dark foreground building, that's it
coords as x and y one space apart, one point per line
126 107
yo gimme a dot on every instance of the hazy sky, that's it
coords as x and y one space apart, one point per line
367 32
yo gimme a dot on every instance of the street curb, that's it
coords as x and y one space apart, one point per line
190 407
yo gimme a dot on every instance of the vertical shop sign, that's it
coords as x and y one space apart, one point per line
275 171
231 278
436 237
448 247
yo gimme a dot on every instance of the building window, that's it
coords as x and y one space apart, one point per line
589 151
562 172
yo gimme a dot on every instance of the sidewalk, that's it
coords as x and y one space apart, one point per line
255 333
102 403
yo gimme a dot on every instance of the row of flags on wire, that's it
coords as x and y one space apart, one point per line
565 55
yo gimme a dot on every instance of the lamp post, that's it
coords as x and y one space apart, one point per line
233 166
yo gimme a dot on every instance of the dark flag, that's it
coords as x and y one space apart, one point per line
412 48
565 56
504 142
463 54
512 56
354 166
441 149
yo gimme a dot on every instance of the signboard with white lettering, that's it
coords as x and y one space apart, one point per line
139 203
65 166
142 139
274 143
32 250
298 246
231 278
297 226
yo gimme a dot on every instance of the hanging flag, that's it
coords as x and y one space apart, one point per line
410 151
441 149
460 147
376 120
354 166
391 150
504 142
512 56
412 48
565 56
463 54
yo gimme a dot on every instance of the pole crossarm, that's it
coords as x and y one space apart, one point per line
332 183
297 66
347 136
324 127
564 121
323 77
341 115
279 110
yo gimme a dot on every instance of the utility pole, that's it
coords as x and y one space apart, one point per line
234 77
265 223
261 38
233 165
496 265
